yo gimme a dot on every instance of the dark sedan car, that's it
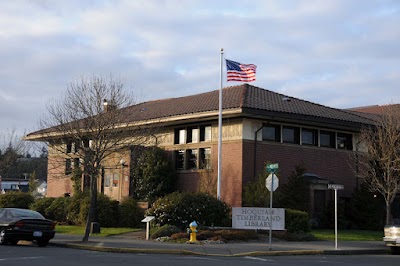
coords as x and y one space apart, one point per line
20 224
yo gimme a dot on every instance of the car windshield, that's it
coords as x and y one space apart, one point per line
25 213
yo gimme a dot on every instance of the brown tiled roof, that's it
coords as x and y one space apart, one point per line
249 99
243 96
375 109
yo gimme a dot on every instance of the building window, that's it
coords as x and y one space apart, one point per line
327 139
77 145
193 135
180 159
180 136
76 162
344 141
205 133
192 159
291 135
68 166
271 133
115 180
309 137
107 180
69 147
205 158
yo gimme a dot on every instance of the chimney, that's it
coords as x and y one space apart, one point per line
108 106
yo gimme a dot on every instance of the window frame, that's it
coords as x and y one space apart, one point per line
295 139
314 136
277 132
332 142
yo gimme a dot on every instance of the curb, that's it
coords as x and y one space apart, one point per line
192 253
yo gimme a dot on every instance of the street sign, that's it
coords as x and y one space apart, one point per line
335 186
272 168
268 182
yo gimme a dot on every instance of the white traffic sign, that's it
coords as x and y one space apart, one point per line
268 182
335 186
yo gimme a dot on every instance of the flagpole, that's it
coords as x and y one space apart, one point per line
220 129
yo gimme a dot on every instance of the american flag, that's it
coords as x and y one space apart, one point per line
240 72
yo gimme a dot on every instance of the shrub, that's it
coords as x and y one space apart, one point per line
294 193
41 205
296 221
16 199
180 209
107 211
255 194
242 235
58 209
75 216
130 215
153 173
165 230
182 237
368 209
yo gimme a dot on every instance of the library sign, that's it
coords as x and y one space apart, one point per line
258 218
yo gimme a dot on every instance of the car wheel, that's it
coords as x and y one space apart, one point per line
394 250
42 243
3 238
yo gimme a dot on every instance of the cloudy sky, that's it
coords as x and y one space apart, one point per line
333 52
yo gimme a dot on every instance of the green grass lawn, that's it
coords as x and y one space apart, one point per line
349 235
80 230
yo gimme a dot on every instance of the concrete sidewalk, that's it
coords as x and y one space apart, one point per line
127 244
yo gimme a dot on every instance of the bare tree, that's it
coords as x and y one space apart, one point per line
11 148
88 118
379 156
207 183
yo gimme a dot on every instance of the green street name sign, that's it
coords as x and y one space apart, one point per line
272 168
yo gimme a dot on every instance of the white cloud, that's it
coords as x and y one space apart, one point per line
337 52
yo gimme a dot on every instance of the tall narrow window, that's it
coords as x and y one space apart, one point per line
77 145
205 133
107 180
180 159
192 135
205 158
271 133
69 147
182 136
192 159
327 139
195 135
291 135
115 180
76 162
68 166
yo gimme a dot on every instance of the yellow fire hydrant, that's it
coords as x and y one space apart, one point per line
193 232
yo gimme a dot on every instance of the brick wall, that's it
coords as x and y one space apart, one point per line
331 164
57 182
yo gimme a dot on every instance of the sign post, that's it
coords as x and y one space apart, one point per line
269 183
147 220
336 187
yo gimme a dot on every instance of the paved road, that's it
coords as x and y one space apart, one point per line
28 254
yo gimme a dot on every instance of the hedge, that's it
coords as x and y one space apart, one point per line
16 199
296 221
180 209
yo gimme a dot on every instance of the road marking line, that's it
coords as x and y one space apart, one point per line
255 258
23 258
